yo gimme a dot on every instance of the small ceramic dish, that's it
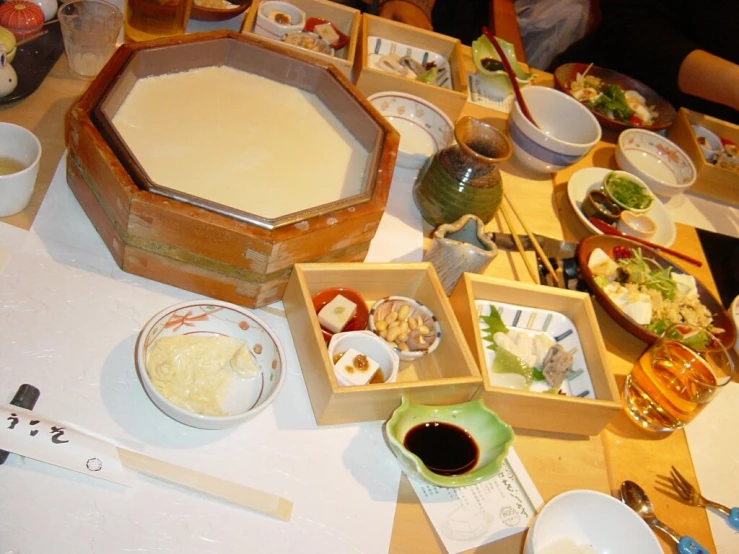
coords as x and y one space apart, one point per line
379 48
464 443
227 11
357 323
638 225
492 71
628 191
424 129
708 141
327 31
583 518
309 41
418 333
243 398
270 19
660 163
598 204
369 344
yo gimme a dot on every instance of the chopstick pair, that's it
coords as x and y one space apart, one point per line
537 247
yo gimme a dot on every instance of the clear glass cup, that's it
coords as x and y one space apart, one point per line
152 19
90 29
676 378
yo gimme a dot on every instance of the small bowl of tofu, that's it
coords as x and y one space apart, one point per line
362 358
407 325
340 309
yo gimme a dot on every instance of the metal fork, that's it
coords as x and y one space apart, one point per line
691 496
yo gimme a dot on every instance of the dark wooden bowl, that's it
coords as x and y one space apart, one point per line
606 242
200 13
361 317
566 73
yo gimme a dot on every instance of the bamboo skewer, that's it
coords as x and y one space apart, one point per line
534 242
242 495
517 241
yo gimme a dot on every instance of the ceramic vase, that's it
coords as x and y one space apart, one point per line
460 247
464 178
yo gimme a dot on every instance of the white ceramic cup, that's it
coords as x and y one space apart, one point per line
21 145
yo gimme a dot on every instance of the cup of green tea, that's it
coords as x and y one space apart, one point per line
20 153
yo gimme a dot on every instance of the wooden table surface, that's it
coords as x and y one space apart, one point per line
557 463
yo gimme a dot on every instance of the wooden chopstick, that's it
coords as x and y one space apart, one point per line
242 495
534 242
534 274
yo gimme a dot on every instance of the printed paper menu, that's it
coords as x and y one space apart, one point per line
467 517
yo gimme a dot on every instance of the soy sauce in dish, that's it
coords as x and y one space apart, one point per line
491 64
444 449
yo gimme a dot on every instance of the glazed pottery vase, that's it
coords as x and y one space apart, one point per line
464 178
460 247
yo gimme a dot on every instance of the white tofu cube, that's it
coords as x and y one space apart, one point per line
601 263
355 368
327 33
336 314
685 284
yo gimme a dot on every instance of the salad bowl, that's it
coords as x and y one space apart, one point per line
566 74
608 244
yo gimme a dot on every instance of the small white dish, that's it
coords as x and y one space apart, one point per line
369 344
18 180
424 129
266 26
709 142
378 47
590 178
637 225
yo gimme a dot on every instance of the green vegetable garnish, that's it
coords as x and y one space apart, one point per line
494 325
429 76
627 192
612 102
505 362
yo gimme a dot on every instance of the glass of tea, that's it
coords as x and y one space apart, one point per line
676 377
152 19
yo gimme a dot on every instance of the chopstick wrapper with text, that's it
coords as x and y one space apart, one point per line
29 434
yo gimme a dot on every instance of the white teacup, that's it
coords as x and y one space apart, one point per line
20 153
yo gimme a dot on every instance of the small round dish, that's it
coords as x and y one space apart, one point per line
327 31
598 204
660 163
628 191
209 13
708 141
424 129
276 18
637 225
369 344
565 74
582 517
418 332
243 398
357 323
591 178
464 443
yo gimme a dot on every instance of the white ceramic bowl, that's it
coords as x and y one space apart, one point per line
383 307
634 179
591 518
424 129
22 146
657 161
371 346
207 318
637 225
566 130
711 146
266 27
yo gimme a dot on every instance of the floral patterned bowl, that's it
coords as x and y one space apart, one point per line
424 129
243 398
659 162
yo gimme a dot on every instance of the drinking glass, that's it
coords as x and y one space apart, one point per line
90 29
676 378
152 19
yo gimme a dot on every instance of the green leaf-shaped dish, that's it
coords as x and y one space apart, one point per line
482 48
492 435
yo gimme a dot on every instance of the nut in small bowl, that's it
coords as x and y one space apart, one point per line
448 446
408 326
209 364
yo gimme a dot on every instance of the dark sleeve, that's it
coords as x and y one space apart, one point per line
646 39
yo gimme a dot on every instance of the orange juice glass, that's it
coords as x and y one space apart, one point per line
676 378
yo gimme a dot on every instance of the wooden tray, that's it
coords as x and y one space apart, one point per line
446 376
536 410
370 80
712 181
345 19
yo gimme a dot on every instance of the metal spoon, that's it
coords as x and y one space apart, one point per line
635 498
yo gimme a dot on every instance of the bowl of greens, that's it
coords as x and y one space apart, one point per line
617 101
628 191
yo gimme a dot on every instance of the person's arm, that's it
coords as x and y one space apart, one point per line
711 78
411 12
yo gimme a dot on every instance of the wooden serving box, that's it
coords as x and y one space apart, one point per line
346 19
712 181
537 410
446 376
370 80
199 249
